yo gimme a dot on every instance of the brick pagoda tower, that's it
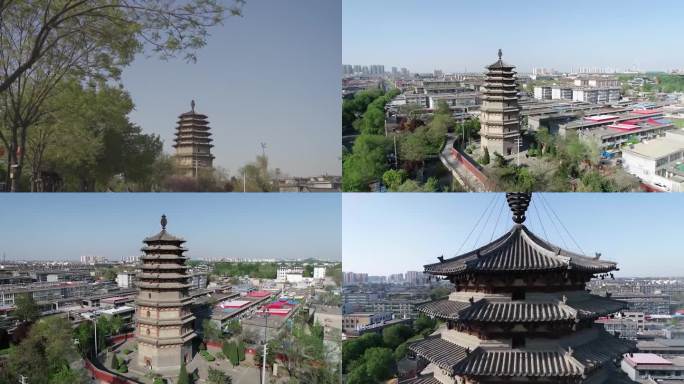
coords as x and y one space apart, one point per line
499 113
193 143
164 322
520 313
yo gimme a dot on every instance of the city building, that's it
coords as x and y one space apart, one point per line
359 320
164 320
658 162
193 143
319 272
648 366
89 259
199 280
291 274
125 279
499 112
520 312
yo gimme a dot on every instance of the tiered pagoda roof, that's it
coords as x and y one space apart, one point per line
520 310
163 316
193 142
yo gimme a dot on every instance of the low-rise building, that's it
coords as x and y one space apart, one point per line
125 279
658 162
644 366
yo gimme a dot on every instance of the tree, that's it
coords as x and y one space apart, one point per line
45 354
183 377
396 334
256 177
394 178
423 322
241 351
115 362
485 157
233 327
355 348
379 363
366 164
103 35
308 270
218 377
26 308
211 331
231 352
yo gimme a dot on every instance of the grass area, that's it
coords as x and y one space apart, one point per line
679 123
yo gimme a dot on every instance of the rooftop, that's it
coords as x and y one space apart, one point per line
656 148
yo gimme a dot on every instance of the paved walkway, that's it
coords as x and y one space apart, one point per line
467 179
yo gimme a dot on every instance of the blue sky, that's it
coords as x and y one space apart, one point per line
271 76
67 226
453 35
392 233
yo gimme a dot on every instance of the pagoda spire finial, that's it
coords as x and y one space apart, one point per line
192 105
518 202
499 53
163 222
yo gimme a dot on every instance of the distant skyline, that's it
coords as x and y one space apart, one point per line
251 226
385 234
270 76
455 36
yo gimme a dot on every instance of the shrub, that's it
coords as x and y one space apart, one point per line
123 368
207 356
127 351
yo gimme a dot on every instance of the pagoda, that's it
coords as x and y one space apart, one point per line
193 143
520 312
164 322
499 113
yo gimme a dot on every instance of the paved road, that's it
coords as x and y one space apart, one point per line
466 178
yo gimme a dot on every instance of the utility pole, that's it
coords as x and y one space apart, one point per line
244 181
396 159
263 364
263 149
518 141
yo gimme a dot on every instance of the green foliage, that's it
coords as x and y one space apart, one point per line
44 355
256 177
216 376
439 292
211 331
335 272
123 368
233 327
394 178
241 351
114 362
355 348
443 108
485 157
431 185
377 366
183 377
423 322
400 351
253 270
308 270
207 356
26 308
353 108
366 164
230 349
396 334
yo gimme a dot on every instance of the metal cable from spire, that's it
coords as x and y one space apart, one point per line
477 240
566 230
473 229
496 225
536 211
553 222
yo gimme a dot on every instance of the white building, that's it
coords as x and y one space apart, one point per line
319 273
658 162
125 279
644 366
286 273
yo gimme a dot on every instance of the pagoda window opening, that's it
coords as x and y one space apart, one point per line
518 294
518 341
